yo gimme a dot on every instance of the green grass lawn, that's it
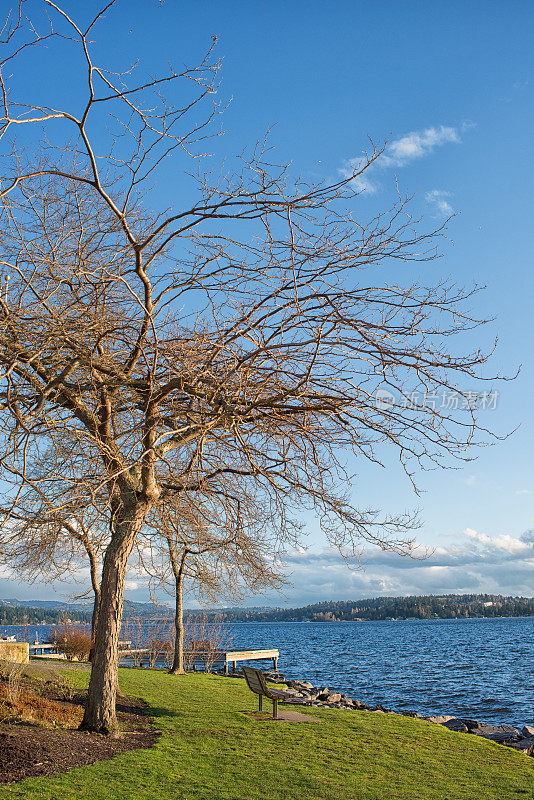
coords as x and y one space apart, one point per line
211 750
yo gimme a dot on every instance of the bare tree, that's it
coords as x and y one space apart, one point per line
147 353
54 546
219 549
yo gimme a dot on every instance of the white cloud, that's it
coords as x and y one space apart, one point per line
501 564
504 543
523 491
399 153
417 144
436 197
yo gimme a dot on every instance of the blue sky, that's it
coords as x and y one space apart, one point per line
449 87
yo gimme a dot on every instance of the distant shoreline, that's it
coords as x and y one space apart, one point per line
383 609
357 621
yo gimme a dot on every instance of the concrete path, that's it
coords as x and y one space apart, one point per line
284 714
50 670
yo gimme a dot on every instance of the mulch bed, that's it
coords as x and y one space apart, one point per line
29 750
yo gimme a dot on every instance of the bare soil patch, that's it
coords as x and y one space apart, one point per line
28 748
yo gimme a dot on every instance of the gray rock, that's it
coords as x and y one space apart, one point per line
525 746
470 723
497 733
528 731
334 697
329 696
277 677
439 720
306 684
455 725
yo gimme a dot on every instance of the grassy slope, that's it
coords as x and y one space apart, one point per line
210 750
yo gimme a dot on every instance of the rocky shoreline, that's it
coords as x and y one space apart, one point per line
305 693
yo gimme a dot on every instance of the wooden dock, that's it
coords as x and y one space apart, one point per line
44 650
233 656
49 650
226 658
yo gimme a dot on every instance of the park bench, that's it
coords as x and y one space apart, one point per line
256 683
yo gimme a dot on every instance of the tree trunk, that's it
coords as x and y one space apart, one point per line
94 620
100 715
96 592
178 662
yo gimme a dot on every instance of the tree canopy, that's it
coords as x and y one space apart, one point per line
233 344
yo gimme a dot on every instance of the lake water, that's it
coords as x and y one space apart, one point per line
478 668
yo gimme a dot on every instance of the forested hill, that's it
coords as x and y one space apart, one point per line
51 611
449 606
26 615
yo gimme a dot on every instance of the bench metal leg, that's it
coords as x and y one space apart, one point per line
260 702
275 709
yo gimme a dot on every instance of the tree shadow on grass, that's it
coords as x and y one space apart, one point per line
158 713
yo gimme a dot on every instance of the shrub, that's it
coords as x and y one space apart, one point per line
28 706
205 637
154 635
74 641
10 675
64 688
160 649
